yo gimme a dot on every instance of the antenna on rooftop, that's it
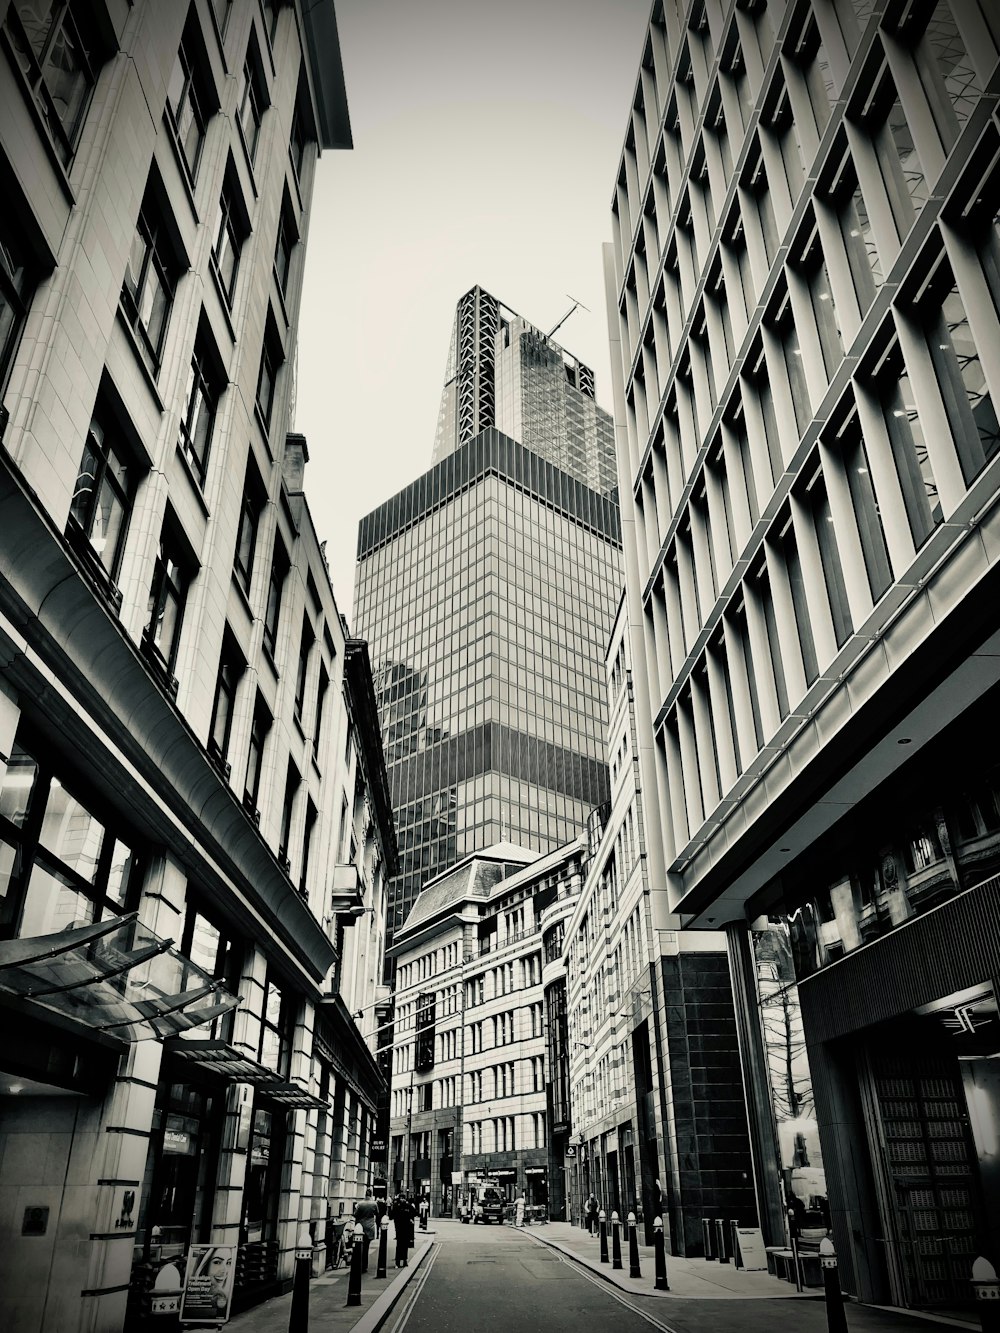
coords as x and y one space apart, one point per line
577 304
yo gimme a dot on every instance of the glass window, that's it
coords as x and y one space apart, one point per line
782 325
814 271
198 414
167 594
765 600
102 496
288 239
800 604
251 102
883 118
186 107
909 448
299 137
220 11
16 283
863 259
148 289
276 582
866 509
275 1033
246 537
271 358
292 782
757 202
230 233
818 503
231 667
54 46
302 671
259 728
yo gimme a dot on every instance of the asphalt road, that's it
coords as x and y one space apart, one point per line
498 1280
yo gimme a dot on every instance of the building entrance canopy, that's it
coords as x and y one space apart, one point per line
116 977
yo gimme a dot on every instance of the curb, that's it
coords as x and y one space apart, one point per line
380 1309
597 1271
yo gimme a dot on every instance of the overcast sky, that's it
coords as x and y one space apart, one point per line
487 134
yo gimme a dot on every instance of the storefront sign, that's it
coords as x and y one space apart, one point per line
535 1170
505 1173
753 1256
456 1177
570 1150
208 1284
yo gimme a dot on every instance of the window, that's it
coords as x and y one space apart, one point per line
300 134
148 289
757 199
166 604
865 504
288 239
231 667
800 605
56 51
307 837
765 600
909 448
846 198
16 283
883 118
271 358
253 502
782 325
302 671
201 397
211 947
188 105
251 101
818 504
813 268
292 781
321 692
220 12
259 728
232 227
102 496
276 582
269 12
275 1028
62 863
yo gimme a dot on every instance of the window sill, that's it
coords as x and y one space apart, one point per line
242 594
192 476
268 657
264 430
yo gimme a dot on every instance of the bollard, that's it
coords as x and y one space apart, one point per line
616 1241
602 1219
633 1248
836 1318
354 1282
720 1241
383 1245
987 1292
706 1237
660 1255
298 1319
734 1243
793 1240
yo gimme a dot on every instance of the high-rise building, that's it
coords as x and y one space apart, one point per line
503 372
195 830
804 289
486 590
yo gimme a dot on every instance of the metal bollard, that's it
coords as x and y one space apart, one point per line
633 1248
660 1255
602 1219
720 1241
706 1237
987 1291
383 1246
298 1318
616 1241
836 1318
354 1281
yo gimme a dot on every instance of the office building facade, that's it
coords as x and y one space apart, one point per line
185 825
472 1071
486 590
503 372
803 291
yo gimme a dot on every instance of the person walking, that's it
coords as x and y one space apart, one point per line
593 1209
366 1213
402 1222
519 1210
425 1208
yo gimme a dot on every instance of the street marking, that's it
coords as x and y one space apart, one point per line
417 1287
614 1293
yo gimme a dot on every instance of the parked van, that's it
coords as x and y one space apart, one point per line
489 1206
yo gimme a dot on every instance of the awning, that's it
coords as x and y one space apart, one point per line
218 1057
116 976
293 1097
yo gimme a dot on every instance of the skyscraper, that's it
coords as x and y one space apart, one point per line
487 589
504 372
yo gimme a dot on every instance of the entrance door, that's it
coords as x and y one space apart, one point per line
930 1180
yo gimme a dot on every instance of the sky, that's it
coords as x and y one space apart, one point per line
487 136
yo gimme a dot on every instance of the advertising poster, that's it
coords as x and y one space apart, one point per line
208 1284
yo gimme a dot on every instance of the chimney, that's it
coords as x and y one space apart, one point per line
293 463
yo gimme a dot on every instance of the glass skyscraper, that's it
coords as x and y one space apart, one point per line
504 372
487 590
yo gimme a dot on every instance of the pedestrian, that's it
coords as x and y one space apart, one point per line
593 1208
519 1210
402 1221
366 1214
425 1208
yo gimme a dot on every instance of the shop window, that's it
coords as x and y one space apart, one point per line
190 98
63 862
206 379
251 100
232 227
231 668
102 496
909 448
57 52
261 1192
167 595
150 279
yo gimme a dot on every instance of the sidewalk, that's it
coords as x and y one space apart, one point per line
689 1279
328 1295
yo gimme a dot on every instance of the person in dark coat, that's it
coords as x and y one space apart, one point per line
365 1212
402 1221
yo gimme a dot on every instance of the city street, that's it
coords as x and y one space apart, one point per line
496 1278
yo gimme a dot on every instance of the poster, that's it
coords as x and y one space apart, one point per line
208 1284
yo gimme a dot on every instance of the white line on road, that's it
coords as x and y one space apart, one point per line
609 1290
417 1287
